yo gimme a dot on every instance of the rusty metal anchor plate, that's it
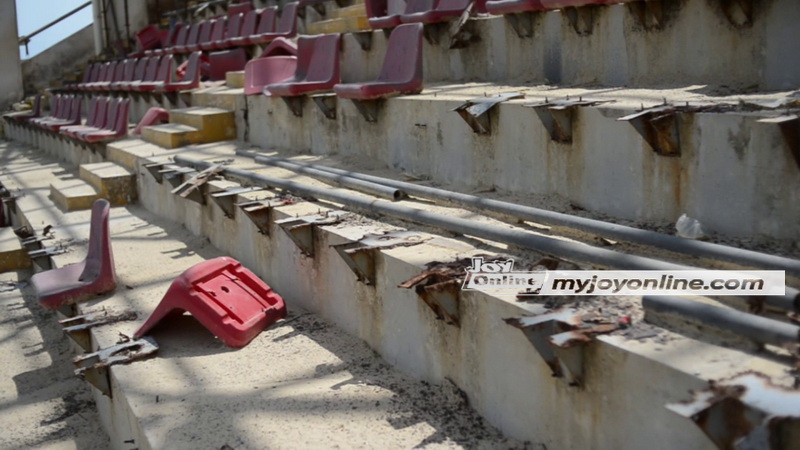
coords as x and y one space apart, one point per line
260 211
557 116
192 188
745 412
326 103
659 128
93 367
360 256
302 229
559 338
225 199
476 111
77 327
439 287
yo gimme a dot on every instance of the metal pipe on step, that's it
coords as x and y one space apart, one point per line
745 258
755 328
544 244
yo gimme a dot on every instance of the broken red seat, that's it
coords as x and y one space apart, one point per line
153 116
401 72
226 298
89 278
385 13
317 67
501 7
261 72
148 38
189 80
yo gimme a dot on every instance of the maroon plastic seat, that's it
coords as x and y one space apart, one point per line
103 76
203 36
116 125
73 117
218 28
250 24
61 111
286 26
226 61
162 75
232 30
191 39
500 7
401 72
190 79
139 70
94 120
90 76
150 73
108 78
226 298
259 73
169 41
89 278
280 47
317 67
181 34
385 13
56 105
266 24
240 8
128 70
148 38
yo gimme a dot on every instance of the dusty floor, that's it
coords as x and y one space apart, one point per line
42 405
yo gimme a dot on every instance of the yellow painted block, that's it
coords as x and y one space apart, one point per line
212 124
112 181
235 79
73 195
13 256
358 10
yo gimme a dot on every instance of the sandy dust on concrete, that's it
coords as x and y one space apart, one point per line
42 404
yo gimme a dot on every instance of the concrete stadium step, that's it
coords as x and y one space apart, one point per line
127 151
195 125
73 195
172 135
235 79
346 24
13 255
111 181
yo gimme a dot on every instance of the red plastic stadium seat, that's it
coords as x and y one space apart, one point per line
204 36
192 38
116 123
226 61
98 107
317 67
226 298
128 71
250 24
89 278
385 13
148 38
190 79
286 27
401 72
259 73
149 76
162 75
500 7
240 8
218 29
181 35
73 117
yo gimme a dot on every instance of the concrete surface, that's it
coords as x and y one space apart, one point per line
112 181
73 195
11 75
51 65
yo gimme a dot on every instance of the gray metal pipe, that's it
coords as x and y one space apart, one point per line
756 328
523 239
378 190
745 258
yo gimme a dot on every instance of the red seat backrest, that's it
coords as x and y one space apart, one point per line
194 34
266 20
218 30
152 69
419 6
164 73
182 35
403 60
288 22
234 26
324 61
250 23
99 258
101 116
139 70
205 31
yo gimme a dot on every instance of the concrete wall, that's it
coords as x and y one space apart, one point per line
50 65
11 75
137 19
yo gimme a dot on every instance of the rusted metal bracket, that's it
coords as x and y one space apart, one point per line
790 130
364 39
368 109
441 291
77 327
522 23
194 188
738 12
303 229
476 111
225 199
557 116
174 174
462 31
648 14
260 211
326 103
360 256
94 367
156 170
581 19
47 252
745 412
659 128
560 337
295 104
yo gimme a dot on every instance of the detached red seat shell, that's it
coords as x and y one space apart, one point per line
401 72
226 298
259 73
87 279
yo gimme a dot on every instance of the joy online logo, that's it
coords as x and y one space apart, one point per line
493 275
